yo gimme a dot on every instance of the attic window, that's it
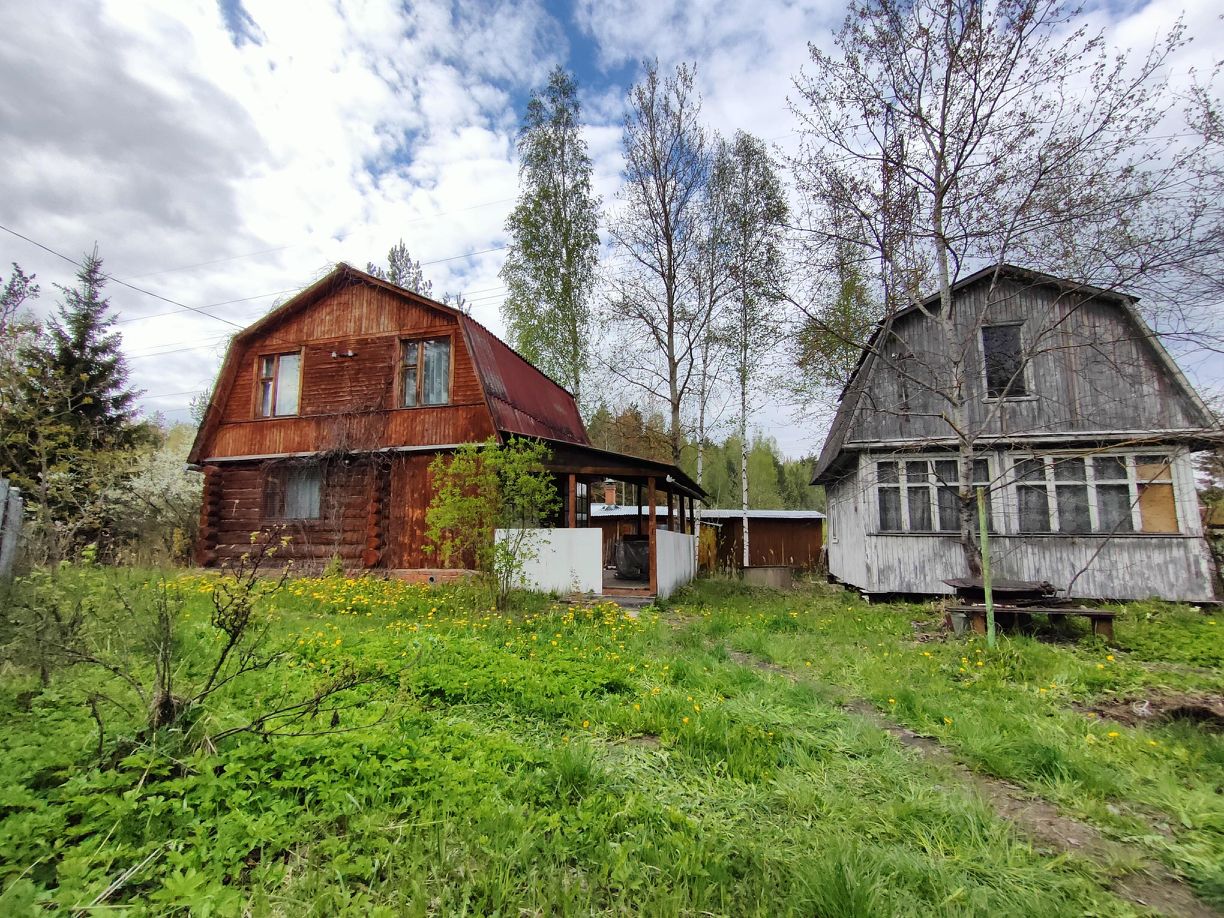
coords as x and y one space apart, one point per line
280 382
1003 355
425 372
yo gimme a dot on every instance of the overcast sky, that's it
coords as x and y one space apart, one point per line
224 155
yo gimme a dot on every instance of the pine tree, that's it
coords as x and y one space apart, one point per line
402 270
550 268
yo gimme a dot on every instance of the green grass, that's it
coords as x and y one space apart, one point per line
561 761
1018 711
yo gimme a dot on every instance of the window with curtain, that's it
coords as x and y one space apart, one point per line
280 383
1106 494
922 495
294 493
425 372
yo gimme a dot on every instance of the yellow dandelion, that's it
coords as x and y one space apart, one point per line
1113 733
948 720
585 724
892 700
684 720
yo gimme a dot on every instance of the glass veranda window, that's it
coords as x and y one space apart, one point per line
425 372
922 495
1096 494
280 378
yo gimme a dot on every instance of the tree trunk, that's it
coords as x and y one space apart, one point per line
744 451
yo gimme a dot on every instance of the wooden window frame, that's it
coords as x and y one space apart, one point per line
1133 481
275 487
257 401
1025 379
419 341
933 485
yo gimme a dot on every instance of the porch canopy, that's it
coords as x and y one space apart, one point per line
657 485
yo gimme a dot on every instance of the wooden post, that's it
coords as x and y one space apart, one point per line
653 538
984 541
572 521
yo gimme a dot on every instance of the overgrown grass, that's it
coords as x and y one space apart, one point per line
575 760
1020 711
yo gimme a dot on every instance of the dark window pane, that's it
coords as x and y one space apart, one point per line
945 471
1004 360
886 472
1034 509
1113 508
1073 509
1031 469
1109 468
919 509
890 509
981 472
916 472
408 379
1066 469
949 509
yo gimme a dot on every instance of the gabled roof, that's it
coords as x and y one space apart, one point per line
521 398
853 389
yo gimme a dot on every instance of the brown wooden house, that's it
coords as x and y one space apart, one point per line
329 410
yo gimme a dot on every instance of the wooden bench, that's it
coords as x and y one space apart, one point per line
1102 619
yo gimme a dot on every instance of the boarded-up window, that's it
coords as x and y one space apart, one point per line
294 493
1154 482
425 372
1003 356
280 383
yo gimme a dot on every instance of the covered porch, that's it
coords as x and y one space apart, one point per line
650 554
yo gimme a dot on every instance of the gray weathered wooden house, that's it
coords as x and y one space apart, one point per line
1078 422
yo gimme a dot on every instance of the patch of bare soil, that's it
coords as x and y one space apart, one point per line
1152 885
642 740
1205 710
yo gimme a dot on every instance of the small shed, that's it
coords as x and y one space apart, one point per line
791 538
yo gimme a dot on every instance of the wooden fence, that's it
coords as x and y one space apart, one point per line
12 512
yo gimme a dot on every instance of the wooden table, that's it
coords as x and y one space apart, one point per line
1102 619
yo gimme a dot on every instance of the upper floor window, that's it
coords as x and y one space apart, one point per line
1003 356
923 495
280 384
293 492
1102 494
425 372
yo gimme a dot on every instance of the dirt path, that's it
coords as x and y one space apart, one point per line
1152 886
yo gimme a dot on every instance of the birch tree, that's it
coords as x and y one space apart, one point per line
657 232
554 243
745 178
957 134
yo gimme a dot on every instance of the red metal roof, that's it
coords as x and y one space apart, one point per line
522 398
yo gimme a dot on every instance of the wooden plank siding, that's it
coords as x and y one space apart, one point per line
794 543
349 403
1091 370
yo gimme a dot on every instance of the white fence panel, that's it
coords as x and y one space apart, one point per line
12 512
676 560
567 560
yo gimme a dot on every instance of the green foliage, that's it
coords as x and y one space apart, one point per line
554 240
774 482
402 270
567 760
481 488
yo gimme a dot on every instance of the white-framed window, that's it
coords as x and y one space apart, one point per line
425 372
1104 494
293 492
279 384
922 494
1003 361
